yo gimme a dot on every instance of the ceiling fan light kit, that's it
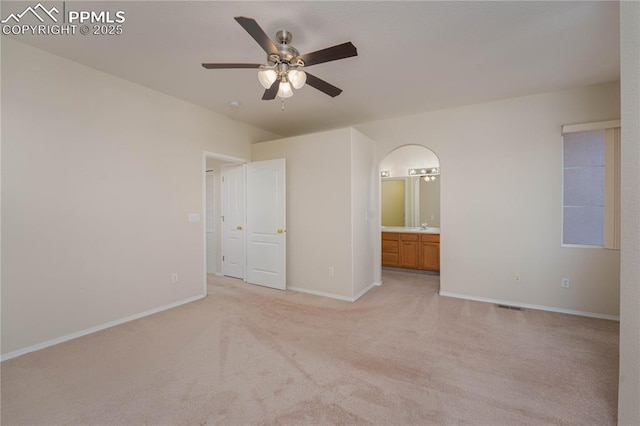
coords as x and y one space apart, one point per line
283 71
267 77
288 78
284 89
297 78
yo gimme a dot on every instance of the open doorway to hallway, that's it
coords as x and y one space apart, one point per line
214 206
244 233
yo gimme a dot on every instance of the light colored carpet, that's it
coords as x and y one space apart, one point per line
250 355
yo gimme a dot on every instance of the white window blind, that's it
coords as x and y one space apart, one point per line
591 185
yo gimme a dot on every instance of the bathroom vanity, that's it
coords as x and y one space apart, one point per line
413 248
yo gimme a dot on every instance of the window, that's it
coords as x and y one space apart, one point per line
591 185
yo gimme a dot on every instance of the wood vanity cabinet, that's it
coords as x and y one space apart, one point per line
430 252
411 250
390 249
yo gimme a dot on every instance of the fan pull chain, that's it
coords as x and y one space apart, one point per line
282 103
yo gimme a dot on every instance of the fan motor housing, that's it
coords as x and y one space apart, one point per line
286 53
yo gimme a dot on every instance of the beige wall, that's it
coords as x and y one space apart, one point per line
399 161
508 220
364 210
98 177
629 390
329 204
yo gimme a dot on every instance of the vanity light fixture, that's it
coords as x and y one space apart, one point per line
384 173
425 171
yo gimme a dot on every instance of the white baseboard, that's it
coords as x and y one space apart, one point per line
321 293
336 296
101 327
529 306
366 290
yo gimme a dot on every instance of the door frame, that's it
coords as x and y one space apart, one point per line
216 156
377 223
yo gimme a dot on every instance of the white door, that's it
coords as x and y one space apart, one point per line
233 195
266 241
210 221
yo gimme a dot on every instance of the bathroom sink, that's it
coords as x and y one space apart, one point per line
411 229
431 229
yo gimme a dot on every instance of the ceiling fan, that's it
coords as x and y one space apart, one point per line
283 71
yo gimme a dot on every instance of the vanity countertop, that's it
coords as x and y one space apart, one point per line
408 230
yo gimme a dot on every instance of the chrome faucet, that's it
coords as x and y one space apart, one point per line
424 226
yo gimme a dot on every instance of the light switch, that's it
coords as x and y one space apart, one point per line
194 217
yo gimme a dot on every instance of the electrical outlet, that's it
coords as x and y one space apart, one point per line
565 283
332 271
174 277
516 277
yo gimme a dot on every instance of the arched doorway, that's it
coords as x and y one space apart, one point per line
410 209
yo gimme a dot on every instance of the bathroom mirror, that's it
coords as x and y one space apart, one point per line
409 201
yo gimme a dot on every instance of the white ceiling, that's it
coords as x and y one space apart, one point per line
412 56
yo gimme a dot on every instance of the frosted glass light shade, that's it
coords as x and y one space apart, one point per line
267 77
297 78
285 90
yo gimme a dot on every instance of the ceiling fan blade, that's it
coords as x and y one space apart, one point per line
340 51
226 66
258 34
272 91
322 85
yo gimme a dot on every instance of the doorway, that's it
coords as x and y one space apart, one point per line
410 209
213 165
244 210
